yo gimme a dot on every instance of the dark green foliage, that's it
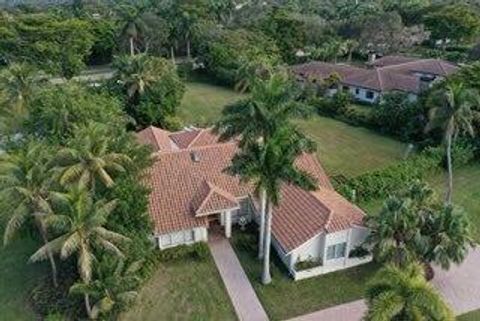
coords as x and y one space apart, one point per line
359 252
396 115
288 31
381 183
197 251
224 52
55 110
458 22
57 45
308 264
104 41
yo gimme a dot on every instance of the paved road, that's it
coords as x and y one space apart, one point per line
242 295
460 286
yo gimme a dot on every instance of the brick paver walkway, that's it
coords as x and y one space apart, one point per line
242 295
460 286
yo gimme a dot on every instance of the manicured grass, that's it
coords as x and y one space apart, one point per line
348 150
472 316
183 290
466 193
203 103
343 149
285 298
17 277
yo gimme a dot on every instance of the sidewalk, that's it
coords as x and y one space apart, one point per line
244 299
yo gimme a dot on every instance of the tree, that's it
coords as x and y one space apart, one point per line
27 189
17 85
89 160
268 166
452 110
258 118
54 44
152 87
81 222
56 110
394 232
404 294
114 287
141 27
458 23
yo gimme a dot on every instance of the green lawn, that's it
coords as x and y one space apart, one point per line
203 103
285 298
183 290
343 149
472 316
17 278
348 150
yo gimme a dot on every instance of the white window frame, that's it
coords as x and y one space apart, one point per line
336 251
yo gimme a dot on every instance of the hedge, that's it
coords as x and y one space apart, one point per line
382 182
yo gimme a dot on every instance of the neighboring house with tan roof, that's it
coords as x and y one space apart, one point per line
192 197
387 74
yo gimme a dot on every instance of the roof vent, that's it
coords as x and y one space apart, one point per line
195 157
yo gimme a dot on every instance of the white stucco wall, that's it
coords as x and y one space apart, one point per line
183 237
361 94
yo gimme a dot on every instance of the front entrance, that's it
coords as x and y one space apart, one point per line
220 224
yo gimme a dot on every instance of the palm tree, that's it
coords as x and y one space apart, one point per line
394 231
271 105
132 24
135 74
268 166
114 286
26 185
81 222
404 295
17 83
89 159
453 112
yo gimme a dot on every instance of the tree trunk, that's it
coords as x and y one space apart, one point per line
51 259
132 48
172 54
448 198
189 54
266 277
261 237
87 306
350 53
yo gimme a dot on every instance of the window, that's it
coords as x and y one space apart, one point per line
370 94
177 238
357 91
346 88
336 251
188 236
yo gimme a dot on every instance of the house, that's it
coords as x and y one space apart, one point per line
192 198
387 74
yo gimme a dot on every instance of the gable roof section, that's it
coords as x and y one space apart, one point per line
157 138
322 70
392 60
211 199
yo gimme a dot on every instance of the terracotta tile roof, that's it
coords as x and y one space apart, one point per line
210 199
391 73
187 184
157 138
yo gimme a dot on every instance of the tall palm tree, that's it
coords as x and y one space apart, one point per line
114 286
268 166
453 112
404 295
26 186
258 118
89 159
132 24
81 223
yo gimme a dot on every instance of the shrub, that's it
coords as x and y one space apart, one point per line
309 263
358 252
197 251
381 183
